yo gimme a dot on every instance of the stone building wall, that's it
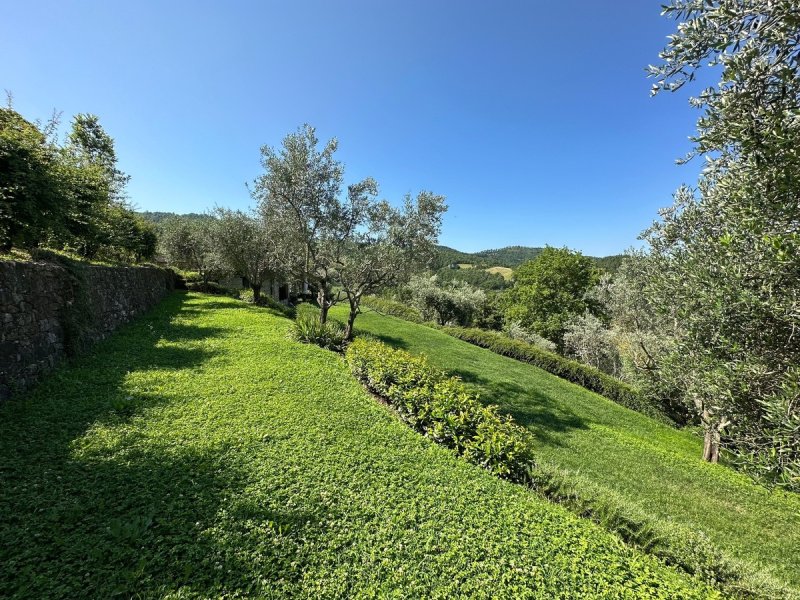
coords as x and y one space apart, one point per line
49 311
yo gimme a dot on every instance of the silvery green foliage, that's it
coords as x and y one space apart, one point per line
587 339
453 302
300 190
724 260
250 246
516 331
385 245
189 243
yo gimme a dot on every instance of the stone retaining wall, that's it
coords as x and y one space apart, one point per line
49 311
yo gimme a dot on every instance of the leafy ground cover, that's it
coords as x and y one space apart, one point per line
199 452
655 468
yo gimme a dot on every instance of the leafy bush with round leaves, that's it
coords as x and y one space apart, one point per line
444 409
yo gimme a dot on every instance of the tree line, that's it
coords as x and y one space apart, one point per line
66 194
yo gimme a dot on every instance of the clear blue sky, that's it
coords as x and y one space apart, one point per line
533 118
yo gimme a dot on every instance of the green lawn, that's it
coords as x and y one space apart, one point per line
654 466
200 453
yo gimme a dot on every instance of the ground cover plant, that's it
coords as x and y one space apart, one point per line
199 452
609 450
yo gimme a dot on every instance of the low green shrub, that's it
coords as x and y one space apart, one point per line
329 335
393 308
571 370
443 409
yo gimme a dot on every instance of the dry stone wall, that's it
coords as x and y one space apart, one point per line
49 311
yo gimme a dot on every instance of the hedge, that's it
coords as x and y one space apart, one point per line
443 409
571 370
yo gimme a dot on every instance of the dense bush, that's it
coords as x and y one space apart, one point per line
571 370
589 340
330 335
516 331
443 409
66 196
454 302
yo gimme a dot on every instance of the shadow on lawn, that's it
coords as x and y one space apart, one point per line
532 409
391 340
125 514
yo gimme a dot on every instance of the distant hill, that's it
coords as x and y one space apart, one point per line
509 257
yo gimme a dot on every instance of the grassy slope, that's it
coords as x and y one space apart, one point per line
655 466
504 271
199 453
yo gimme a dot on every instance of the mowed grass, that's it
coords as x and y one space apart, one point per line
200 453
656 467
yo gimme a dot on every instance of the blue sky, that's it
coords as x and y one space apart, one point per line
533 118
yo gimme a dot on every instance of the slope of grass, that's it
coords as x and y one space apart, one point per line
200 453
504 271
655 467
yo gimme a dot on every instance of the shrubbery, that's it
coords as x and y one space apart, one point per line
66 196
330 335
454 302
443 409
571 370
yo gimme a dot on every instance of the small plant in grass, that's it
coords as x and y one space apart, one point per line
330 335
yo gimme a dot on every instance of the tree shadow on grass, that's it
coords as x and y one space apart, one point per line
117 513
529 407
391 340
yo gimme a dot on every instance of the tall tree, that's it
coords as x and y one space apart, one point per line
724 260
30 183
250 246
300 188
384 245
549 290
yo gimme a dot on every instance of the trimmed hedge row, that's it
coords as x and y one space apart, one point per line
571 370
444 409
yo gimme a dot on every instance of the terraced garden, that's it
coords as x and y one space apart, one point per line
200 453
655 468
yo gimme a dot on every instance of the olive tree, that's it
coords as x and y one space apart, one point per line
191 243
445 302
300 189
385 245
723 261
250 246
